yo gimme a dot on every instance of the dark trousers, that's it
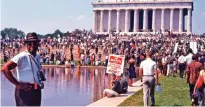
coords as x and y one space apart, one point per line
182 67
191 90
164 68
28 98
201 96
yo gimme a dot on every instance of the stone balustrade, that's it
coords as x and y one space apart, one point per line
137 1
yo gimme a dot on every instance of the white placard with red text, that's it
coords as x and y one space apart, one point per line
115 64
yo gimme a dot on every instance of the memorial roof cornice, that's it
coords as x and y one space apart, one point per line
144 8
139 1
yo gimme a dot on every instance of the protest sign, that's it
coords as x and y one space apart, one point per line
123 38
175 47
115 64
193 46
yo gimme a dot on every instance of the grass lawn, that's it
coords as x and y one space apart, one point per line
1 61
175 92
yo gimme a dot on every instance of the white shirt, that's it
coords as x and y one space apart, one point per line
66 63
182 59
106 57
164 60
148 66
24 69
189 58
82 56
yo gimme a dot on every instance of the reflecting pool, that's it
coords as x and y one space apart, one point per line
64 87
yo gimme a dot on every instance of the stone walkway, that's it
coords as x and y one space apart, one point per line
115 101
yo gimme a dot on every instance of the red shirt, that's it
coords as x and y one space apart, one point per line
193 71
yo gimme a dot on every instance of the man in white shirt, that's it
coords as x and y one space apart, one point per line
189 56
148 69
27 64
182 64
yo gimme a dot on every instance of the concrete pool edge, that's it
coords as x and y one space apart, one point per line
64 66
114 102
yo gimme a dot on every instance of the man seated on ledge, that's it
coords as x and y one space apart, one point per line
116 87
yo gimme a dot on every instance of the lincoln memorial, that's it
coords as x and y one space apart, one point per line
142 16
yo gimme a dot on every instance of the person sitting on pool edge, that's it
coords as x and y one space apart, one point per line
116 87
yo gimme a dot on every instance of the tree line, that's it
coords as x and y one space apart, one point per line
14 33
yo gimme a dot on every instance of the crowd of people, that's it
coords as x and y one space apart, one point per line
170 53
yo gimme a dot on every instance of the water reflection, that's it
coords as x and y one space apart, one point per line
67 87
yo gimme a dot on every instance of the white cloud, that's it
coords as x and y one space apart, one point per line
81 17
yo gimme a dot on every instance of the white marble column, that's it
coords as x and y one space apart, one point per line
145 20
171 19
94 21
126 20
101 21
189 21
180 20
109 21
118 21
154 20
162 20
136 20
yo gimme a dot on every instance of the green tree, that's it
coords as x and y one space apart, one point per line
12 33
3 34
57 32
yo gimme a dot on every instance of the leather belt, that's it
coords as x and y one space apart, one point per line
149 75
31 84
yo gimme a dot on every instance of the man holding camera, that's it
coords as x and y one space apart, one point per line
30 79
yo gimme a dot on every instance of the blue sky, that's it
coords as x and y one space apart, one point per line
45 16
